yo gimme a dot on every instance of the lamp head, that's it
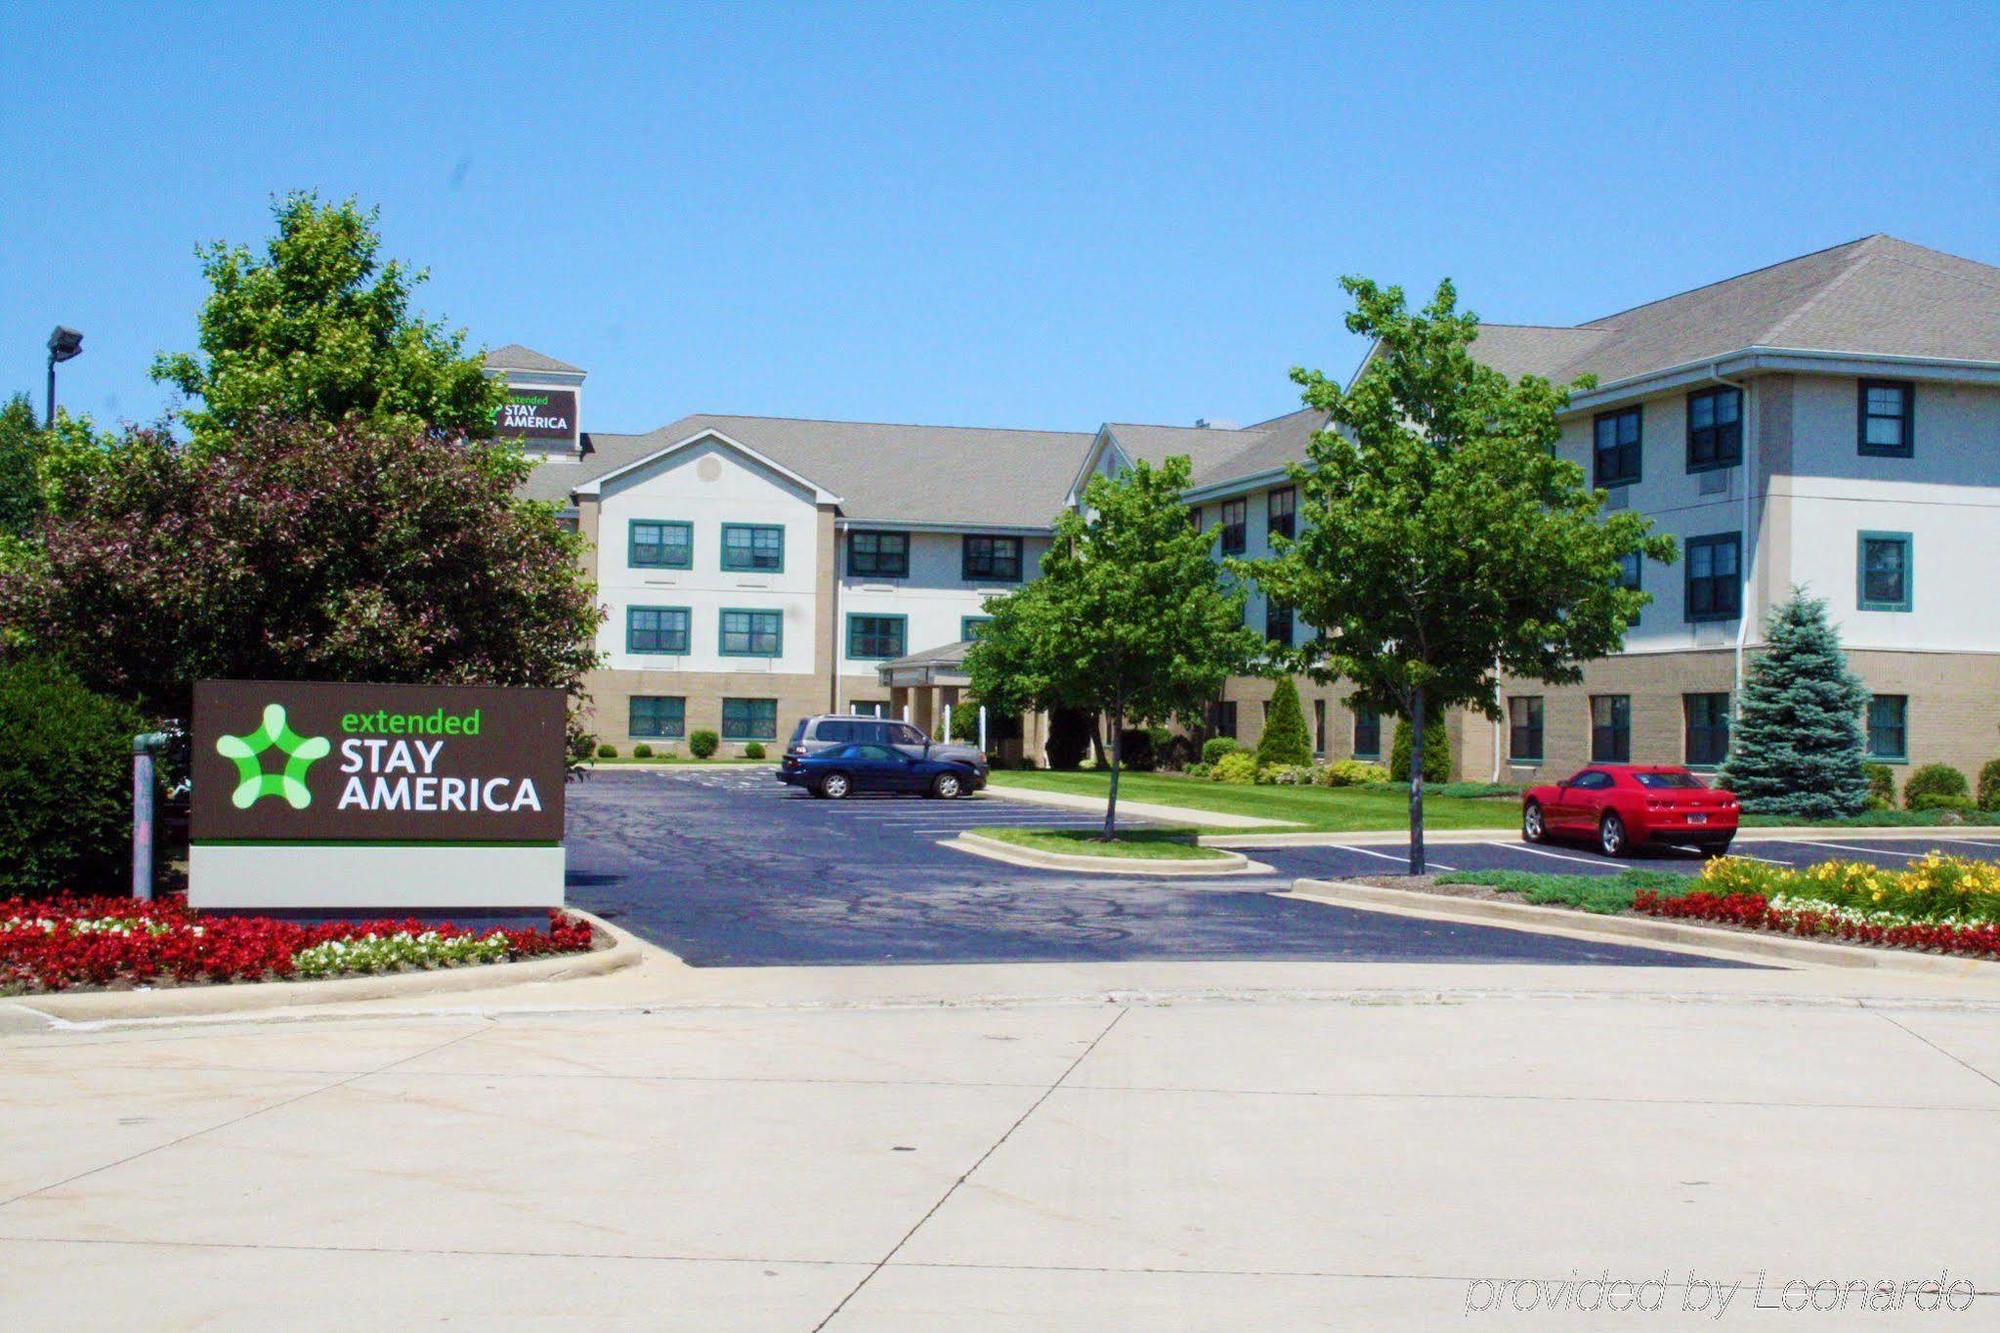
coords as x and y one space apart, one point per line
64 343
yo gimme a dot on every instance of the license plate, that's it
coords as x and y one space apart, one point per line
1697 819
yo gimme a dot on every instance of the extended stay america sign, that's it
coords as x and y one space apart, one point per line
316 762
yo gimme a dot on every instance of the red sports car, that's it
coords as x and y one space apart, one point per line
1622 806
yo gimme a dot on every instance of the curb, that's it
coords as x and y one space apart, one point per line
1179 814
1456 837
251 997
1232 863
1677 936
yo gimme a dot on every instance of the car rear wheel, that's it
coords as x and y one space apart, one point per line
947 787
835 786
1611 835
1534 826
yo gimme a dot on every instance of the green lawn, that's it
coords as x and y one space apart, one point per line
1608 894
1383 807
1152 844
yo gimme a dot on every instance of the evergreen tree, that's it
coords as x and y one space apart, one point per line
1796 745
1285 739
1437 753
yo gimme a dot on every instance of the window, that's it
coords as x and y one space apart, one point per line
1367 733
654 544
1889 727
1714 577
991 559
869 707
1888 413
881 555
1222 717
1591 780
1617 447
753 546
1631 575
749 719
1524 729
656 629
1235 526
1319 726
753 633
658 715
1707 728
1715 429
1281 507
1610 728
1885 571
877 636
1278 623
970 626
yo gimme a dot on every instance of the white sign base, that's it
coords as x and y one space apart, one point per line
367 876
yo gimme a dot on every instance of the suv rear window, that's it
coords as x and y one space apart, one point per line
834 731
798 732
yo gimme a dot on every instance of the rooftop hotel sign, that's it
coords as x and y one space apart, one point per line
537 414
315 794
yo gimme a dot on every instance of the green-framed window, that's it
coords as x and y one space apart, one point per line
749 719
1524 729
1367 733
752 633
758 547
1714 429
1714 577
656 629
876 636
658 543
878 555
1610 728
1887 571
1707 741
658 715
1886 412
970 626
1616 447
1889 728
986 559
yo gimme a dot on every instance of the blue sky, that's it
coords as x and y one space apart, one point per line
1016 215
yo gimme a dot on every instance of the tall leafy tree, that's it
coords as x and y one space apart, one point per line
20 470
318 327
302 551
1444 543
1797 745
1132 617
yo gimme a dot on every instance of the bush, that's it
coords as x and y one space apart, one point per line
1989 785
1934 780
754 750
1352 773
1881 786
703 744
65 782
1215 747
1136 752
1437 752
1198 770
1934 800
1175 752
1285 739
1285 775
642 751
607 752
1238 767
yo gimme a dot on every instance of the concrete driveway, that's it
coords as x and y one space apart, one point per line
727 867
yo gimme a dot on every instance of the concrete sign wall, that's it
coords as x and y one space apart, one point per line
315 794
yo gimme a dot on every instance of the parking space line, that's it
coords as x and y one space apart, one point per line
1971 842
1767 860
1852 847
1404 858
1554 856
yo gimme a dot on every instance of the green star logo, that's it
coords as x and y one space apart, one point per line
247 753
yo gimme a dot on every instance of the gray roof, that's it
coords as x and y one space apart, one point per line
1874 296
961 476
516 357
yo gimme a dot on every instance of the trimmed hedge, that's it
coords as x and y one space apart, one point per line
1881 786
642 751
607 752
65 783
1933 780
754 750
1989 785
1215 747
702 744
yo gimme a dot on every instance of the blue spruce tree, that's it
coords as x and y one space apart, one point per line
1796 745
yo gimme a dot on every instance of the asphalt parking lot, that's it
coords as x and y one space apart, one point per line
727 867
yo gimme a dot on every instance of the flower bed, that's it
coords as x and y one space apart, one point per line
98 942
1941 904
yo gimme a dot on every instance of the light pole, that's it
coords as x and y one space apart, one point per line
64 343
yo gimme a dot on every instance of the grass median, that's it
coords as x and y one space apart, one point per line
1384 807
1605 894
1149 844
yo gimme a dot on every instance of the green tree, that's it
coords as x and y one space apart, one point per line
304 551
1796 744
319 328
1437 753
1285 739
20 469
1444 542
1132 617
